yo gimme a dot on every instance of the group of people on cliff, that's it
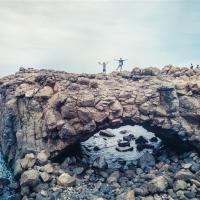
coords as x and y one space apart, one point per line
121 63
192 67
119 67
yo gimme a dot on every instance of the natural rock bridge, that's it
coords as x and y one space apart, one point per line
43 109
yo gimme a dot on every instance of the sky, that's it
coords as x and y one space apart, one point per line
75 35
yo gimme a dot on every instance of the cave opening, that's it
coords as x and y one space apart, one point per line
123 144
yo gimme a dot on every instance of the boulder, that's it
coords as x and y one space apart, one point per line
100 162
67 131
48 168
106 133
129 137
146 161
122 143
180 185
29 178
197 175
124 149
66 180
158 184
42 157
44 176
45 92
28 161
130 195
113 177
141 140
185 175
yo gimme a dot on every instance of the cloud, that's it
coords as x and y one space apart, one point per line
74 36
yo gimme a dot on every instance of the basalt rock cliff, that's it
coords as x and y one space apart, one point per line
51 110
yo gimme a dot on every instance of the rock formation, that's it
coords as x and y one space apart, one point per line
51 110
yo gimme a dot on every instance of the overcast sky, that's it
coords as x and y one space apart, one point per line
75 35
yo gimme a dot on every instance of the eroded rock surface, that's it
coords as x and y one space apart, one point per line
50 110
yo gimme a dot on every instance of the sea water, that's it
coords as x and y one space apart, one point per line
107 145
5 172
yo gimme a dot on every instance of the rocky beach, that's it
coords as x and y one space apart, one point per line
124 136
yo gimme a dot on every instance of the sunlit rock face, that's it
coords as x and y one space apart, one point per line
43 109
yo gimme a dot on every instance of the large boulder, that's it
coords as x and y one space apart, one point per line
29 178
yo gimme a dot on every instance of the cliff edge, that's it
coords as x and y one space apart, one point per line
51 110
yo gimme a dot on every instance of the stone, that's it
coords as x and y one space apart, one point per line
146 161
44 193
141 140
67 131
44 176
124 149
197 183
106 133
17 168
185 175
45 92
197 175
122 143
195 167
130 195
42 157
78 170
100 162
158 184
123 131
128 137
186 165
113 177
180 185
66 180
141 147
28 161
51 118
154 139
68 111
29 178
48 168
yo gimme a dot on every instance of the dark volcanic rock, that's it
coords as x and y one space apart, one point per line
106 133
154 139
141 147
124 149
146 161
122 143
141 140
128 137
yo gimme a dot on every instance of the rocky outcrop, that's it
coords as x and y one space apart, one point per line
51 110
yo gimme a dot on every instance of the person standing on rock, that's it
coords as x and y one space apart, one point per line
121 63
197 67
104 64
191 66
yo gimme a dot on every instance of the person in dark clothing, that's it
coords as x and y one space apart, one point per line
191 66
121 63
198 67
104 64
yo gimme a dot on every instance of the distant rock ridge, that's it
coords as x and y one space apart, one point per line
51 110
